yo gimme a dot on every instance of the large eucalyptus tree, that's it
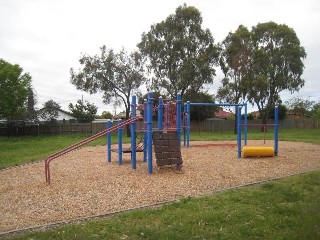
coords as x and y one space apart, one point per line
277 65
181 54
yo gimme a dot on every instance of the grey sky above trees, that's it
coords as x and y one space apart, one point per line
47 37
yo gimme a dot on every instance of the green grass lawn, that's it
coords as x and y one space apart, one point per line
294 135
284 209
15 151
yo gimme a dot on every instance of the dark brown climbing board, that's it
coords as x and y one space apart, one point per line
167 148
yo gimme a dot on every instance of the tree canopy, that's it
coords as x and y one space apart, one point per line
234 62
116 75
299 105
276 65
49 110
15 86
83 111
200 113
259 64
181 55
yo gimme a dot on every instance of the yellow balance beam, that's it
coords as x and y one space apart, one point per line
257 151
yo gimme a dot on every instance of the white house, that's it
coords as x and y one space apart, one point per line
62 116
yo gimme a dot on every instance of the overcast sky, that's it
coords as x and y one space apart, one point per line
46 37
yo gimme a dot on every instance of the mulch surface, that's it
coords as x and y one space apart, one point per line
83 184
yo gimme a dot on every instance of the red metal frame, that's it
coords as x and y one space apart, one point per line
83 142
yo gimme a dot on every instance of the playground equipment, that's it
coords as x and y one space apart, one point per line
83 142
258 151
147 137
246 151
174 121
171 113
253 151
187 107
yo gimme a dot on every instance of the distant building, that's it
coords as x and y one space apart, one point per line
255 114
222 114
62 116
295 115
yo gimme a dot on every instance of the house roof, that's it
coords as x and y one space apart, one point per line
222 114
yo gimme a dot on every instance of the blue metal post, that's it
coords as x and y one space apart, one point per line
109 140
276 129
178 117
119 143
188 123
246 124
239 131
184 123
145 135
133 133
149 131
160 114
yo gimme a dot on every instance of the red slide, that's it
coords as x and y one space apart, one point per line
83 142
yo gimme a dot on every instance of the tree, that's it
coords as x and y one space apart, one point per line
15 86
200 113
84 112
155 104
276 65
116 75
181 55
49 110
31 112
282 112
106 115
300 106
235 63
315 112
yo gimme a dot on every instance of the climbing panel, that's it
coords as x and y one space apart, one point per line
167 148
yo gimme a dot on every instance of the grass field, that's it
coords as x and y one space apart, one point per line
15 151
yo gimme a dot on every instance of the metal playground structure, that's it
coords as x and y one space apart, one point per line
171 119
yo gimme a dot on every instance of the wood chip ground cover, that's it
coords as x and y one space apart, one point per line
84 184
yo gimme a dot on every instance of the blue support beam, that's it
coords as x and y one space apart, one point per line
133 133
239 131
109 140
120 143
145 134
149 131
276 130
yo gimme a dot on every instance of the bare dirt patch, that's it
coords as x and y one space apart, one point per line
84 184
